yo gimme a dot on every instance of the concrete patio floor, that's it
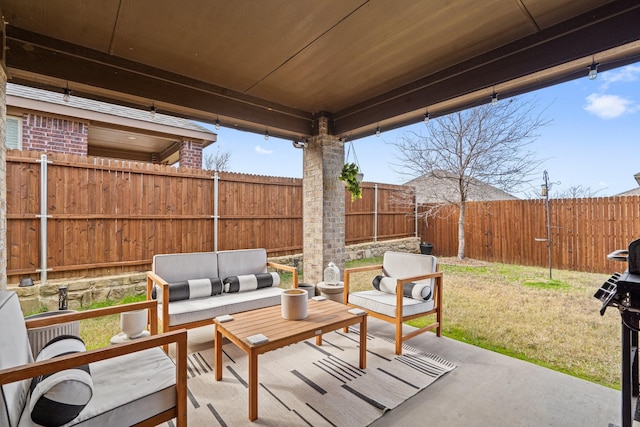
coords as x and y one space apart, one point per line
488 389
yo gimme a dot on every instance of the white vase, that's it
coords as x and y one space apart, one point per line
294 304
133 323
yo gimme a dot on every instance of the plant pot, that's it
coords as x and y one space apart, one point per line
133 323
426 248
294 304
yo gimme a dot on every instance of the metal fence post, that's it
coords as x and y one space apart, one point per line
216 183
43 219
375 213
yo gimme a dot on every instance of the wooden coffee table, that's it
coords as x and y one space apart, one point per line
324 316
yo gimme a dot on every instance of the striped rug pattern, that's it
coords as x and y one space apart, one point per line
308 385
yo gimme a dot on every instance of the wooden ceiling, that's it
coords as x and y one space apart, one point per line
279 65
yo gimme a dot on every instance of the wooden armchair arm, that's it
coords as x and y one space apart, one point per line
152 306
291 269
347 276
67 361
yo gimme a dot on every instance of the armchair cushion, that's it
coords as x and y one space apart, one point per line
420 290
58 398
385 303
251 282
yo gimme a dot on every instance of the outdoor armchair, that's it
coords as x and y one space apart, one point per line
134 383
408 286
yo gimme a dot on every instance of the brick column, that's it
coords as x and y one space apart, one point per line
191 154
323 206
3 180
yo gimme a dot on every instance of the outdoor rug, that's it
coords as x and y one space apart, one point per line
307 385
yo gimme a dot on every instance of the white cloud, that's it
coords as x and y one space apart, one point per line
630 73
609 106
261 150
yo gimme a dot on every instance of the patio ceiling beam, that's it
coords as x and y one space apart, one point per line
610 26
41 61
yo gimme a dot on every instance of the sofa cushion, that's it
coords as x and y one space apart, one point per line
194 310
420 290
59 397
191 289
178 267
242 261
251 282
14 351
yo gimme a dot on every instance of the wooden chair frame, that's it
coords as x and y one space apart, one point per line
22 372
400 318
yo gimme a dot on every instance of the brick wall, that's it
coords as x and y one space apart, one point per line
54 134
191 154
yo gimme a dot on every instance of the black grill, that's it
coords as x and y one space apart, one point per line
622 291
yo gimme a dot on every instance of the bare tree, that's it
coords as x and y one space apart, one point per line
464 151
218 161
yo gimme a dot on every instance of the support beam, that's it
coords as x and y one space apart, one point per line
36 58
323 209
605 28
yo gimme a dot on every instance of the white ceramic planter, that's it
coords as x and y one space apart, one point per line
133 323
294 304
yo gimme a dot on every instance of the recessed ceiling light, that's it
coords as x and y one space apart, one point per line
131 137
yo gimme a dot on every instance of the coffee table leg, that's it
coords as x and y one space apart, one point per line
363 342
217 355
253 385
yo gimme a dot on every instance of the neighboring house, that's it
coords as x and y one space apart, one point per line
43 121
634 191
430 189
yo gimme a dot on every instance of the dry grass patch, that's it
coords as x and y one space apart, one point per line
517 311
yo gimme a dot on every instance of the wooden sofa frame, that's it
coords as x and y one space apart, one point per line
153 277
179 412
400 318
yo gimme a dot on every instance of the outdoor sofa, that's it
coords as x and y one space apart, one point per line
194 288
128 384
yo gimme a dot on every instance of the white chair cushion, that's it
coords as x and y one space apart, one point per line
242 261
127 390
178 267
385 303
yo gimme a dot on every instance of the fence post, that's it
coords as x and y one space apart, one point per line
216 182
375 212
43 219
415 212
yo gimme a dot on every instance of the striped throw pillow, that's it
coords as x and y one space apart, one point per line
59 397
190 289
419 291
251 282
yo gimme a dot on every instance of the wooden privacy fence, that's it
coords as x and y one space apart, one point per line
105 216
583 231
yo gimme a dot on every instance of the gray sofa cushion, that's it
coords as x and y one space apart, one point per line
241 262
187 311
14 351
180 267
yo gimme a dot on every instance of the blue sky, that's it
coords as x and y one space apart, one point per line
593 139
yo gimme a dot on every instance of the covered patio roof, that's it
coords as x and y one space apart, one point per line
279 65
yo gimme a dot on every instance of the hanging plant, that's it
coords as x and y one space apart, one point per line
349 176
